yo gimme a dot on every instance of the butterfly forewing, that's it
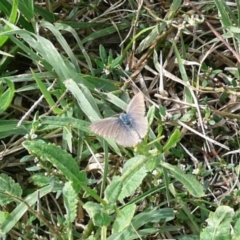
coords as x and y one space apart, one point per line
136 106
136 109
105 127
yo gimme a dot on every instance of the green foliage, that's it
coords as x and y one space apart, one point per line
147 217
124 218
66 65
39 179
23 207
7 96
98 214
9 190
61 160
70 203
189 181
107 64
219 227
9 128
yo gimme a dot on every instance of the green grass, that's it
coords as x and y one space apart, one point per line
64 66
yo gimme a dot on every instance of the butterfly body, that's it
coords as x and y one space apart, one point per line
129 128
126 120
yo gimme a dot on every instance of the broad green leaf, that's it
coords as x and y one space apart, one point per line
59 158
22 208
124 218
62 41
97 213
50 57
66 27
236 234
219 224
113 190
63 162
9 189
70 202
189 181
45 14
27 9
134 172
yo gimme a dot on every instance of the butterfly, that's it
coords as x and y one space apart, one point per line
128 128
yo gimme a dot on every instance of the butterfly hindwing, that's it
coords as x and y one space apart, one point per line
127 136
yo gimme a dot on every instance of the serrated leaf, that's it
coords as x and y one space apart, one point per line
59 158
97 213
39 179
189 181
124 218
8 190
70 202
113 190
134 172
63 162
18 212
8 187
219 223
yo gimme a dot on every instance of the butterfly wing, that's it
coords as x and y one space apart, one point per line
136 109
107 127
136 105
114 128
127 136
